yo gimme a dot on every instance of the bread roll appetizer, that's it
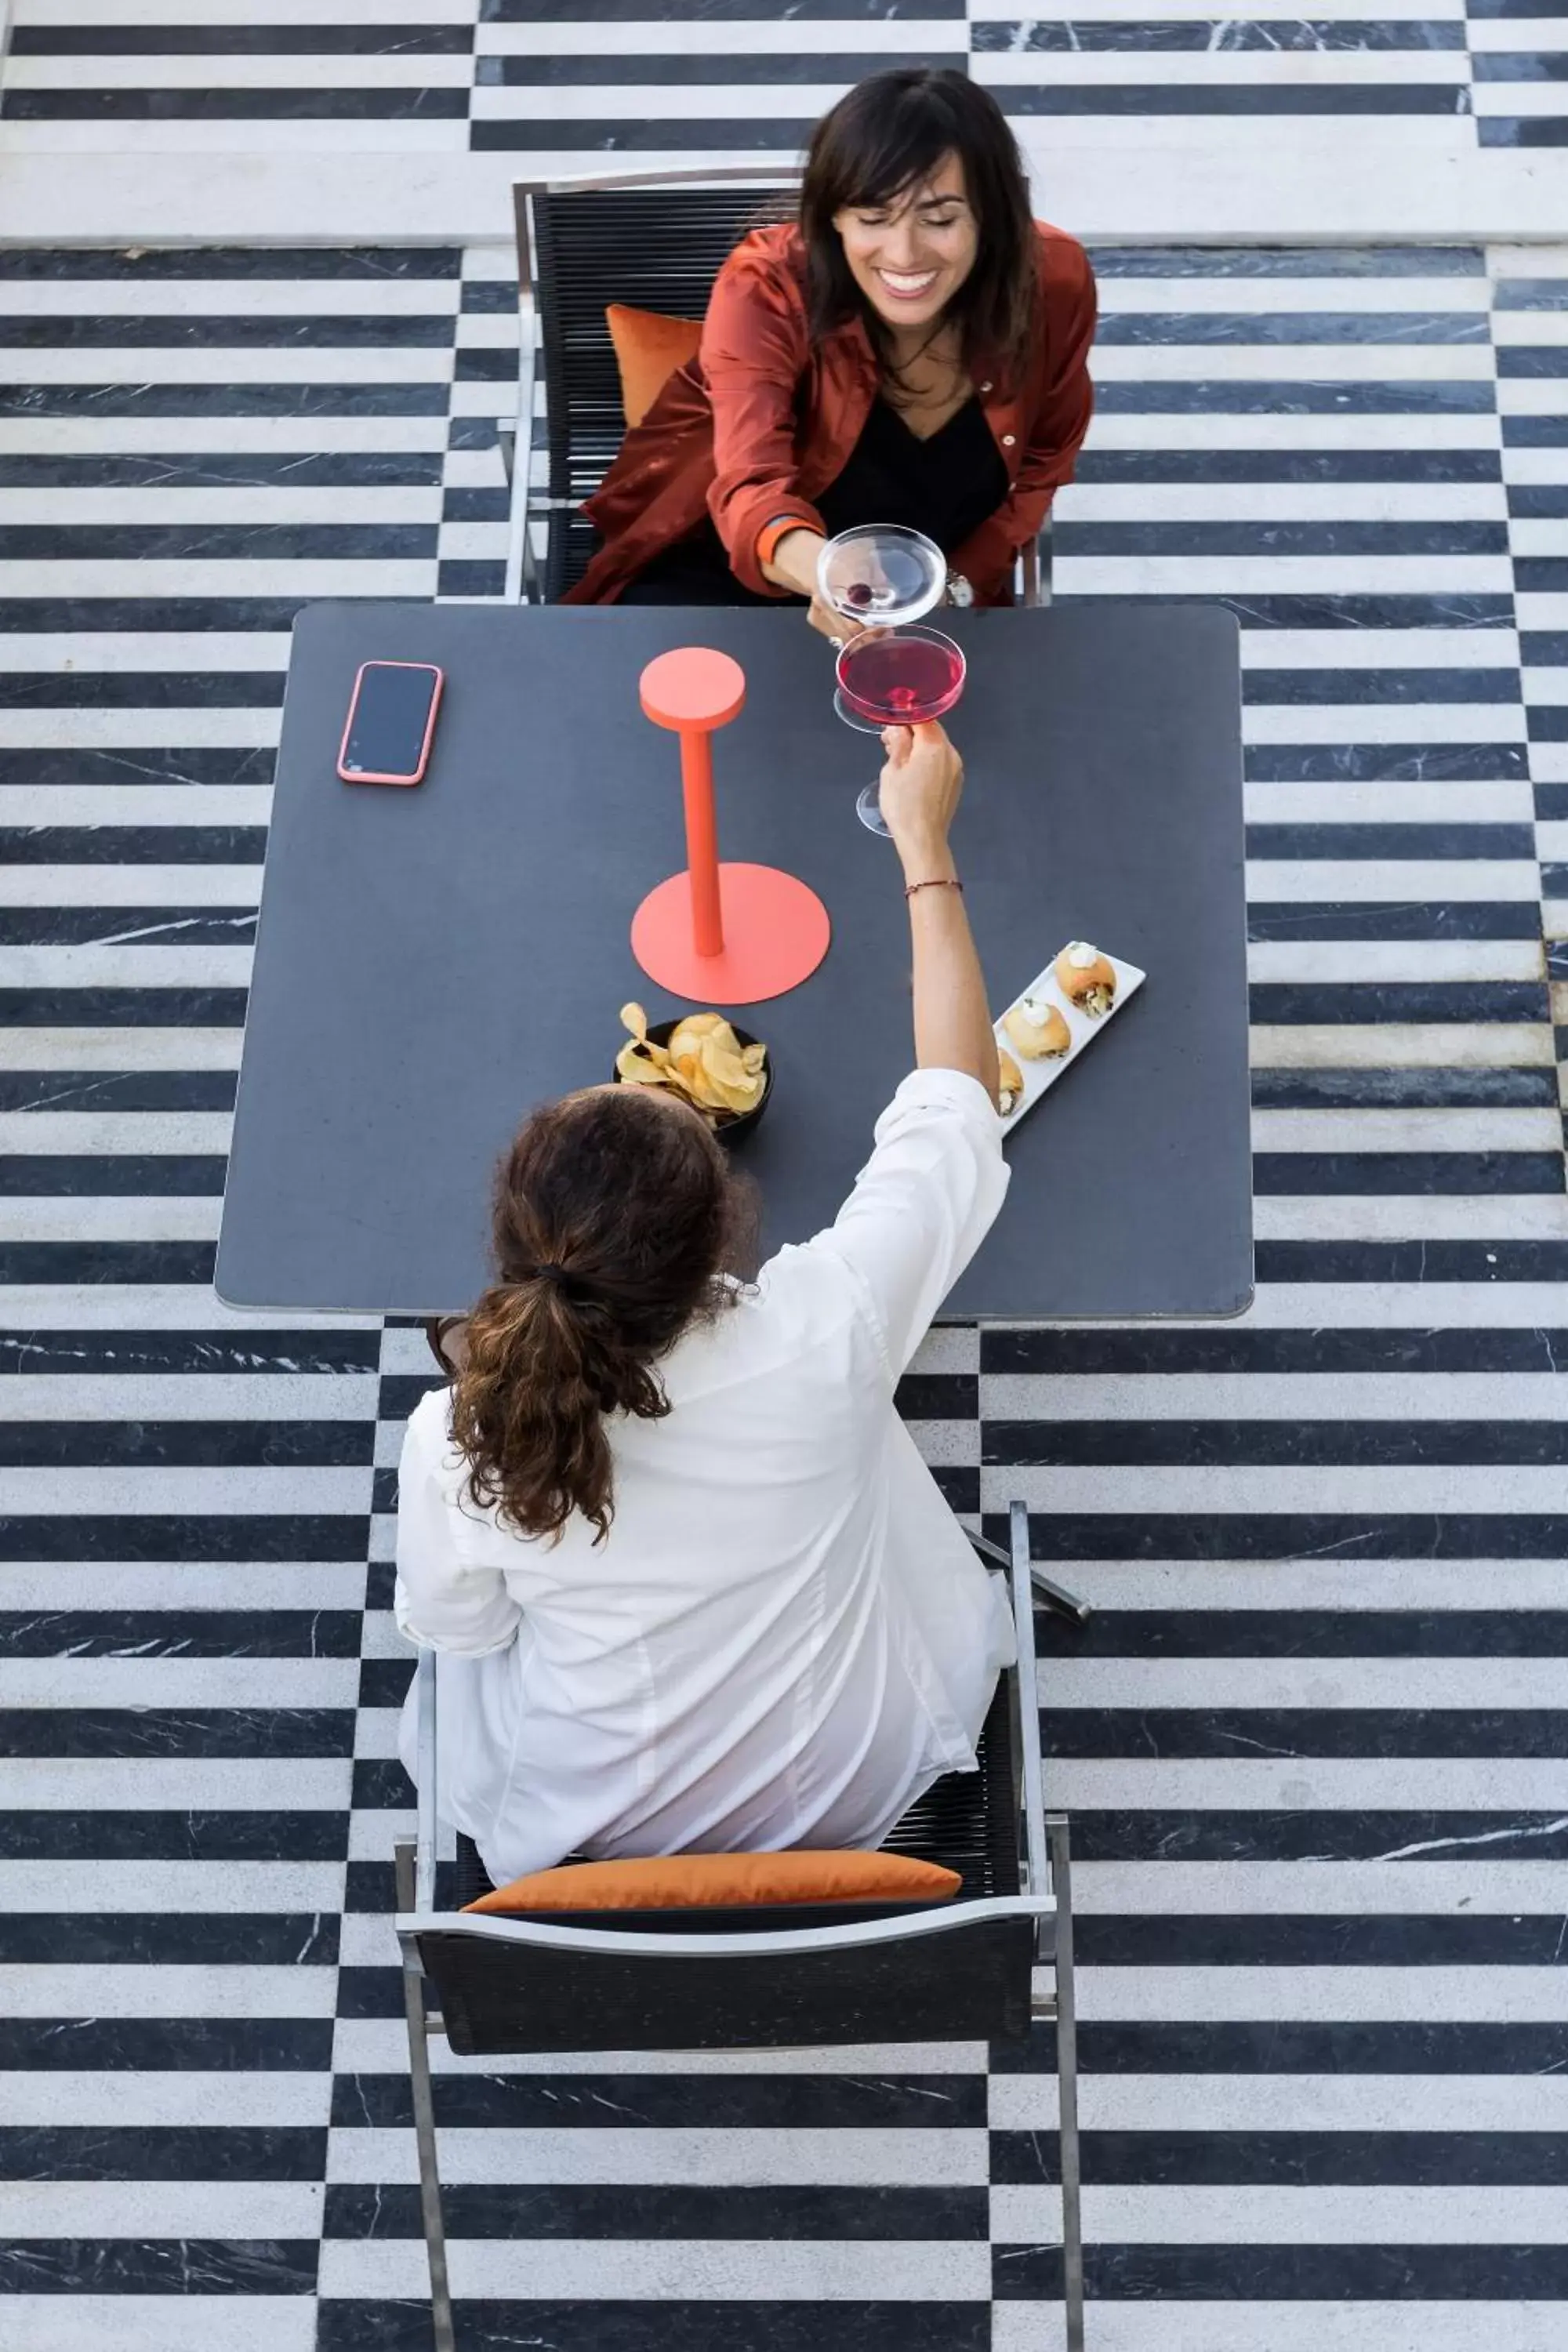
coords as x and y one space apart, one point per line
1036 1029
1085 978
1010 1093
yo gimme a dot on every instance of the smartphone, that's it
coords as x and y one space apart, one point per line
391 717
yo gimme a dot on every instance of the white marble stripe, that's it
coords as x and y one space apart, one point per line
395 143
189 1396
1546 685
1434 881
1242 2325
1518 35
120 1048
118 651
1273 575
1538 536
1396 1044
1383 722
164 2209
97 1884
1468 1882
124 967
1314 2103
1328 362
1524 395
825 2271
1531 467
158 1585
1533 260
1151 2213
1213 429
1397 1306
1384 799
155 1306
102 1132
1362 649
716 33
305 577
75 1218
59 1988
1310 1683
674 102
1533 99
380 2045
1426 1784
378 294
274 504
1251 502
1374 1128
1552 834
1327 1584
1136 12
134 886
182 438
227 364
1539 328
718 2157
1350 1397
1172 297
131 2098
81 1784
135 804
159 70
1220 1490
160 1488
181 1682
69 13
82 728
1403 1216
1222 71
1328 962
162 2322
1549 762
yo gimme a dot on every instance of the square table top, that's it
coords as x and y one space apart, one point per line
432 961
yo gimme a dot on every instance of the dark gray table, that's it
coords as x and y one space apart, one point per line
430 963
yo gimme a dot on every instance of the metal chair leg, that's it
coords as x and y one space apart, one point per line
425 2121
1067 2082
1056 1596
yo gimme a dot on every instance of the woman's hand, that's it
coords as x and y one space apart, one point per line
795 566
919 791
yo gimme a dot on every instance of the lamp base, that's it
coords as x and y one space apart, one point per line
775 934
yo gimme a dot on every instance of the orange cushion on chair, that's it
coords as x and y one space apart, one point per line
648 350
688 1882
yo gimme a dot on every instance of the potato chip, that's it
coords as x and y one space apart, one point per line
703 1060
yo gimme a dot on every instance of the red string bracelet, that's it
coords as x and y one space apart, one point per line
938 882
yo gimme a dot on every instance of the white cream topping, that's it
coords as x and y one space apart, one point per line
1080 955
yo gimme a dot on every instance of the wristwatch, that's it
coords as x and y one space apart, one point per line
959 592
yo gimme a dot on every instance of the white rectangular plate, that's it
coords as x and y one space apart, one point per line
1040 1077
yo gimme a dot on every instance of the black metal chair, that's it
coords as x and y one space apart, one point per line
775 1976
654 241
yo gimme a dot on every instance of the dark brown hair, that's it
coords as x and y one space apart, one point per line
884 137
616 1218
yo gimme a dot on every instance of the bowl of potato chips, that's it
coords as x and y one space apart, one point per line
722 1071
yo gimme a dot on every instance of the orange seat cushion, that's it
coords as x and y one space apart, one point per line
648 350
692 1882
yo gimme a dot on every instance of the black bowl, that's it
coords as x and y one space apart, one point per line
737 1125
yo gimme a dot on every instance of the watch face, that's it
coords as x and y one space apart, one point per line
959 591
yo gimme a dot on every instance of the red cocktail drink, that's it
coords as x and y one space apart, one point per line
901 679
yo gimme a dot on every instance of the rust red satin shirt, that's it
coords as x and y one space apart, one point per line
760 422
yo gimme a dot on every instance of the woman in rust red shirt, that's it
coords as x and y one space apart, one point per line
914 351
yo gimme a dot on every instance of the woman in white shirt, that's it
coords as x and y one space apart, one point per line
695 1587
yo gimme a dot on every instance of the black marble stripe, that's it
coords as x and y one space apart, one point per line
624 134
1549 724
1306 1732
181 927
938 1396
1463 918
381 1786
223 330
1148 1349
185 1443
1156 97
107 1261
175 1939
1289 260
200 1536
1301 1835
1292 1535
277 468
1545 503
459 577
225 1731
1458 611
85 1353
150 689
1289 1001
1535 432
1294 396
744 12
188 1633
230 40
1298 2160
160 2266
104 1175
230 1836
1494 682
1366 1633
1543 648
350 2325
1305 763
1284 327
616 2102
134 845
1337 1443
1288 465
1217 36
21 615
163 2152
1253 539
132 1008
691 69
1412 1261
1463 843
1279 2046
174 105
476 506
475 2210
54 262
1522 361
401 1392
121 2045
1307 1939
278 399
1402 2276
493 298
272 543
384 1681
1414 1089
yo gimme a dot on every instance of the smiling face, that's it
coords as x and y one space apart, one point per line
910 256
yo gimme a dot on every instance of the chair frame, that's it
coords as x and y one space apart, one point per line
1045 1901
524 584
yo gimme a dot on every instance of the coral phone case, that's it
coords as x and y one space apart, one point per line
424 725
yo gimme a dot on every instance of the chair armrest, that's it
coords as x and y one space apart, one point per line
427 1816
768 1943
1032 1795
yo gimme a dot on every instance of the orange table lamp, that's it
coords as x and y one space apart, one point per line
727 934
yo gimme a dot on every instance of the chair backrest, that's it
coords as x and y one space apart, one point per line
655 247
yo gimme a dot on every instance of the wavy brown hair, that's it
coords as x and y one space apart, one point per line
615 1220
887 136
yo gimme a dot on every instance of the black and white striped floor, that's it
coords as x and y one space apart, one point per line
579 77
1314 1740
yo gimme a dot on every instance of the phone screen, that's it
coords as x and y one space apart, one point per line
391 715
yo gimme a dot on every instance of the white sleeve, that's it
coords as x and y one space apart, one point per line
921 1205
442 1599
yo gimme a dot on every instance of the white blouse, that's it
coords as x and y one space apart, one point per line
786 1635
